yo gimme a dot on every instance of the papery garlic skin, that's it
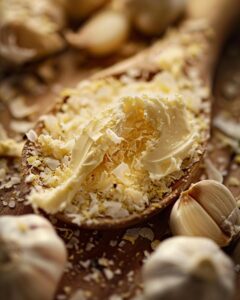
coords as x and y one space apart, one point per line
206 209
188 268
32 258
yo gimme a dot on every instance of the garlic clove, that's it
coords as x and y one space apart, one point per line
206 209
189 218
103 34
215 198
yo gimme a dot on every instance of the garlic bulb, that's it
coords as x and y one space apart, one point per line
103 34
206 209
188 268
32 258
154 16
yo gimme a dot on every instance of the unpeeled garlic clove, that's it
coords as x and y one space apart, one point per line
188 268
103 34
32 258
206 209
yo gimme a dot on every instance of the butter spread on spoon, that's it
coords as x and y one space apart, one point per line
133 142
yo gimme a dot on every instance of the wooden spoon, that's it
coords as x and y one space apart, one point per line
201 37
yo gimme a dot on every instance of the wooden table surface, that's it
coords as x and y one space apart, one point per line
107 264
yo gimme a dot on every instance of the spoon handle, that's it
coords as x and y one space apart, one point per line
221 16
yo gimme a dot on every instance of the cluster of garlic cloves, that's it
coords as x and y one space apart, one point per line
32 258
149 17
188 268
26 25
206 209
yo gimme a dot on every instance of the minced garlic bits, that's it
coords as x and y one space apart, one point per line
117 154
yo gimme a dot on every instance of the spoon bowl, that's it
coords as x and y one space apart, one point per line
201 48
